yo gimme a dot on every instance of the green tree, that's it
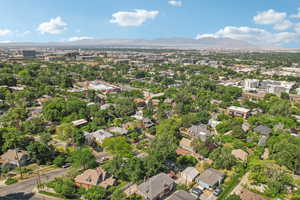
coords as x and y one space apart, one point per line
64 186
118 146
223 158
40 153
95 193
59 161
69 133
186 161
83 158
11 138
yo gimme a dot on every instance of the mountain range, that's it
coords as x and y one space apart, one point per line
176 43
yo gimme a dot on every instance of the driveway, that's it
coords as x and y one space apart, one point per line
23 189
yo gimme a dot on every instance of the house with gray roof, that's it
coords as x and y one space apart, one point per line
181 195
118 130
262 141
189 175
210 178
97 136
199 131
156 187
14 158
263 130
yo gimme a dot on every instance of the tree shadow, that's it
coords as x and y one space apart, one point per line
17 196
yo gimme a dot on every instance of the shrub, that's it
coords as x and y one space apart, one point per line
11 181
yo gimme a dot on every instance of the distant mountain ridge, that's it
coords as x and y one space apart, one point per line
180 43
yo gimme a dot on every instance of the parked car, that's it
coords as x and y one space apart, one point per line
196 191
218 191
66 165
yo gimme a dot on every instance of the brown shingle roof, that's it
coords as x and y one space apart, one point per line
240 154
11 155
90 176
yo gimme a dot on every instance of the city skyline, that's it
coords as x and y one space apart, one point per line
268 23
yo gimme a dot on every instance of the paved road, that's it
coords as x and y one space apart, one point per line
23 189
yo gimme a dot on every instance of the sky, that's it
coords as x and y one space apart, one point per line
267 22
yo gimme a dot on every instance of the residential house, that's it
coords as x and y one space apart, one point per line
265 155
14 158
181 195
147 123
139 102
97 136
238 111
213 123
93 177
254 96
189 175
210 178
263 130
43 99
156 187
168 101
240 154
262 141
186 144
138 115
199 131
130 189
102 156
106 106
246 126
35 112
79 123
118 130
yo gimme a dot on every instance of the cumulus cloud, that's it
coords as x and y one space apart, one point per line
296 15
75 39
279 20
175 3
133 18
54 26
4 32
269 17
284 25
254 35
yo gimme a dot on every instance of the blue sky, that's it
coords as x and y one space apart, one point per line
275 22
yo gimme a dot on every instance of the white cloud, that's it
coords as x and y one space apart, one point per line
283 37
297 28
4 32
296 15
286 24
75 39
175 3
133 18
202 36
269 17
54 26
253 35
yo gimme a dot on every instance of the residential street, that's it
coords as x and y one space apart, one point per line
23 189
